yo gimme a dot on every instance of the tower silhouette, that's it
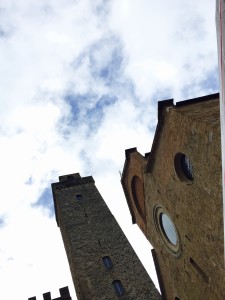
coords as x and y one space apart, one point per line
102 262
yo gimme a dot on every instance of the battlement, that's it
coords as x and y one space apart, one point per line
64 295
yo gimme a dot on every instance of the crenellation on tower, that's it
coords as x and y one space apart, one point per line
64 295
47 296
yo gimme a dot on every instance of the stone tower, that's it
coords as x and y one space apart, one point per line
102 262
175 196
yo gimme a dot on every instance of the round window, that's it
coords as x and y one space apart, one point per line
183 167
167 230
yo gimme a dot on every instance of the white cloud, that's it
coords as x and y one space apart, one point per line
172 34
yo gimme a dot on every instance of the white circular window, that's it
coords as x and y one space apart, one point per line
167 230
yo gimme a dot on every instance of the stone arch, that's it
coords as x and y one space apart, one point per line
137 189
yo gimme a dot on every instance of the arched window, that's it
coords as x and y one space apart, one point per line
118 287
107 262
137 189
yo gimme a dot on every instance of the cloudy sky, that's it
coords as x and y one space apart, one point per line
80 81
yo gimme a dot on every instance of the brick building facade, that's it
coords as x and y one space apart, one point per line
175 196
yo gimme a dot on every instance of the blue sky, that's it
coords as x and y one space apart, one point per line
80 81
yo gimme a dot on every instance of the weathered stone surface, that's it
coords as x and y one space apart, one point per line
195 269
90 232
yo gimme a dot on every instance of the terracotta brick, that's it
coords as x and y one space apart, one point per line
193 268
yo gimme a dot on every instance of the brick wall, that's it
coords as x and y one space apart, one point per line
193 266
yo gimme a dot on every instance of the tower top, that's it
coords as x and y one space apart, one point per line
64 295
65 182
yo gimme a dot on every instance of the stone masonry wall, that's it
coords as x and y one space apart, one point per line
196 270
90 232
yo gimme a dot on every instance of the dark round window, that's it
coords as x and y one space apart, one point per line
183 167
79 197
168 228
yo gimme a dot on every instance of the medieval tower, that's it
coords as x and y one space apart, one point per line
102 262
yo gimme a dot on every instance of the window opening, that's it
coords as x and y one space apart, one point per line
79 197
118 287
187 166
137 188
183 167
107 262
168 228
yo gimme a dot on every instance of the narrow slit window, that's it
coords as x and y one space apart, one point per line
199 270
107 262
118 287
187 238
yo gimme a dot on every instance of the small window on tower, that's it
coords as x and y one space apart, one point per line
118 287
107 262
79 197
